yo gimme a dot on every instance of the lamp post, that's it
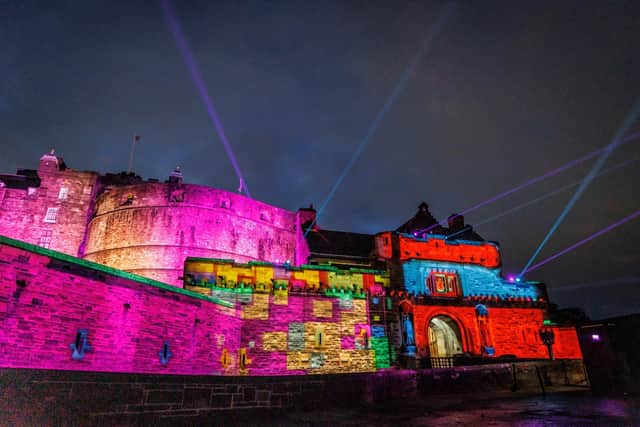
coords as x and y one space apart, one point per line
547 337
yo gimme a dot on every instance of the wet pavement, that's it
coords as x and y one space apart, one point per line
558 409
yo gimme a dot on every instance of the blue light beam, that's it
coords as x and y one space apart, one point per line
617 140
442 19
573 163
551 194
583 241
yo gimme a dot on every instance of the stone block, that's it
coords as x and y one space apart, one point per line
164 396
196 397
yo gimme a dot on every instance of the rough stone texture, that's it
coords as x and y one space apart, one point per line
40 397
475 280
23 211
149 228
437 248
513 331
48 298
152 235
44 302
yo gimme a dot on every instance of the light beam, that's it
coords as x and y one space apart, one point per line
550 194
532 181
442 19
194 70
616 141
582 242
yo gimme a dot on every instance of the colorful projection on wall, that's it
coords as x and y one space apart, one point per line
212 275
448 279
311 319
437 248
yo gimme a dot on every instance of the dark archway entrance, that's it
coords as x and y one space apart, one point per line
444 337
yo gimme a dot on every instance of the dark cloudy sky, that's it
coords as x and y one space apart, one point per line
507 91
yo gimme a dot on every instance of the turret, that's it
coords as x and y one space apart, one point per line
50 163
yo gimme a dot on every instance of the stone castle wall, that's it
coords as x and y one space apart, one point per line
150 228
41 397
67 196
59 312
46 300
511 331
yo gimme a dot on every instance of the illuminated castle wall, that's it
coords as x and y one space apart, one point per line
228 285
293 321
65 313
49 207
456 300
144 227
166 222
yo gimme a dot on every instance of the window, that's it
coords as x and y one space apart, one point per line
51 216
45 238
443 284
64 192
31 191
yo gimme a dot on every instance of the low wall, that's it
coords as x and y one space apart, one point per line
42 397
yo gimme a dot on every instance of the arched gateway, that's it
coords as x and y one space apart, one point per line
444 337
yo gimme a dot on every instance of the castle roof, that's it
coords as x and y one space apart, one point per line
424 222
421 221
22 180
341 245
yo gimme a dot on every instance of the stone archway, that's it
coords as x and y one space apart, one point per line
444 335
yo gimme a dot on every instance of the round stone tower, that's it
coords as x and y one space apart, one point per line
149 228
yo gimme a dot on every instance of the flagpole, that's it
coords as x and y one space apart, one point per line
136 138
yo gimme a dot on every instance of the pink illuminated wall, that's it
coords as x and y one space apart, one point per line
23 211
44 302
46 298
153 233
148 228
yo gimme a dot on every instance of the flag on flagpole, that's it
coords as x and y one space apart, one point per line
136 138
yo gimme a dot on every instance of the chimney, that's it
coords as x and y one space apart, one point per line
306 216
456 222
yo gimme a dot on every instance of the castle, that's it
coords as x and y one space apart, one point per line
115 273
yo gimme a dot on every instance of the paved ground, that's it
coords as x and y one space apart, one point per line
560 409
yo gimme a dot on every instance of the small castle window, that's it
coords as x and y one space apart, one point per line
45 238
64 192
225 204
443 284
31 191
51 216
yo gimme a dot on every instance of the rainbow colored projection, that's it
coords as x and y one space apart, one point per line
308 319
115 273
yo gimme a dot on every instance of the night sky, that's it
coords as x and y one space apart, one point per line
506 92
